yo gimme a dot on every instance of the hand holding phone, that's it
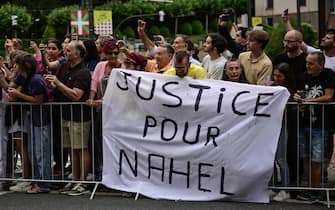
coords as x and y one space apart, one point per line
74 37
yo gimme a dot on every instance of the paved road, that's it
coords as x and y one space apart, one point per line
23 201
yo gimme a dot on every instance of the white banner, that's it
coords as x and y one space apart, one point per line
190 139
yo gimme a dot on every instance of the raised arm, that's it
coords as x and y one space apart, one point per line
144 37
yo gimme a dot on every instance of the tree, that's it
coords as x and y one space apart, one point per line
24 20
59 19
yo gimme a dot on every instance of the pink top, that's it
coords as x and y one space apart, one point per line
97 75
40 67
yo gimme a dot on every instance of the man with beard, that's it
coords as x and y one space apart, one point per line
327 46
296 58
293 55
214 62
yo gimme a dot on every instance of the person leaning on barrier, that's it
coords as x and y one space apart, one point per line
3 130
319 86
34 90
183 67
72 84
296 58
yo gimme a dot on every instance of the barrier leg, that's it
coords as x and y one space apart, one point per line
136 196
94 190
328 200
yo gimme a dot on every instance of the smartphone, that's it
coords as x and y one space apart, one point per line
285 12
224 17
74 37
157 38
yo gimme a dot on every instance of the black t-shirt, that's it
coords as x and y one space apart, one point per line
315 87
76 77
297 64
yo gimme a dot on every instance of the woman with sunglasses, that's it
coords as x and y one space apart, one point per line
99 81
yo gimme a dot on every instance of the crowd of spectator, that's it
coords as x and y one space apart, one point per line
75 73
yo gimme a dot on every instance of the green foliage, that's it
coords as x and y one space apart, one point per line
186 28
164 31
129 32
154 30
277 33
24 19
60 18
275 45
49 32
197 27
309 35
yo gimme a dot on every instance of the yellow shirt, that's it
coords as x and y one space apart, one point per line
194 71
153 67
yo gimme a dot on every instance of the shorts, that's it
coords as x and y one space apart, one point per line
313 146
24 125
75 134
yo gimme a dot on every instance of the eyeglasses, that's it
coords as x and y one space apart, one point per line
289 41
112 53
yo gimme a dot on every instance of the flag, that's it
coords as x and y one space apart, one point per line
80 22
103 23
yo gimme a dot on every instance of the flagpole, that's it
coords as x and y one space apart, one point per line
87 4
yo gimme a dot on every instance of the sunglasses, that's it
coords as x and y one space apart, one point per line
112 53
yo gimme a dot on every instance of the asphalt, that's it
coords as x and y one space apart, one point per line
118 201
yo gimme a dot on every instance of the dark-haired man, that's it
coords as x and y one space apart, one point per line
214 62
183 67
72 84
327 46
319 86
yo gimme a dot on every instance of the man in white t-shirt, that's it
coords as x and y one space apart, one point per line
214 62
327 45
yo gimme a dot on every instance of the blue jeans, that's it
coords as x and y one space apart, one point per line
39 149
312 143
281 156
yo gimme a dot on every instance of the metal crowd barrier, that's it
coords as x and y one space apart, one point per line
16 153
19 120
289 167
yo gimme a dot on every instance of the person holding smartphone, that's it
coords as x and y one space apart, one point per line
237 45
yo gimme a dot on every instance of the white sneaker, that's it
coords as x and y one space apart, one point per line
79 189
282 196
90 177
272 194
70 176
20 187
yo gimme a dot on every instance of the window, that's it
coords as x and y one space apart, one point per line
270 21
269 4
303 3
